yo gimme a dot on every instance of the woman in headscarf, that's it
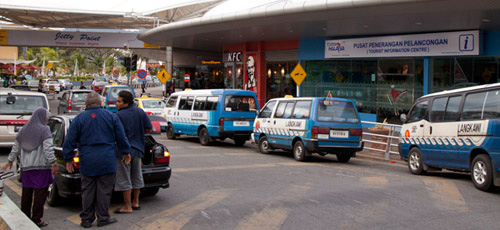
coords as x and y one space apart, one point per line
38 163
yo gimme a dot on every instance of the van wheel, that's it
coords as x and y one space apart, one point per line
343 157
264 146
482 176
415 162
53 199
170 132
240 141
204 137
300 152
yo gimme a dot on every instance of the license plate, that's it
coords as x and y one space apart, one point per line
112 106
241 123
163 124
339 133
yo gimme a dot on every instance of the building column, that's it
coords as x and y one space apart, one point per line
261 75
427 75
169 67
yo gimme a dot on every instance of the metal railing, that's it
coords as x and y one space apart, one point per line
393 134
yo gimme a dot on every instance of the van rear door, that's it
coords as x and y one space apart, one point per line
239 112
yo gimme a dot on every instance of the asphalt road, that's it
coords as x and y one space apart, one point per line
228 187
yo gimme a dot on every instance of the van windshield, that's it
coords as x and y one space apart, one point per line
23 105
237 103
337 111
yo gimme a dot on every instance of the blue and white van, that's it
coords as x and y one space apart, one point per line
110 94
212 114
458 130
309 125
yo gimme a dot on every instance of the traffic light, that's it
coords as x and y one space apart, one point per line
133 63
126 63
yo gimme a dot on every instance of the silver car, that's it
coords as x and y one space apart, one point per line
72 101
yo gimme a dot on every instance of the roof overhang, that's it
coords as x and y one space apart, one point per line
319 19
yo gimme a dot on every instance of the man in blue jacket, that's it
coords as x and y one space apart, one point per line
96 132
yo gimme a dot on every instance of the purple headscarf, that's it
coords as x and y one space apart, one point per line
35 131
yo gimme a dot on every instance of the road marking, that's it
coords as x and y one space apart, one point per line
77 220
179 215
274 214
198 147
374 180
14 187
196 155
446 194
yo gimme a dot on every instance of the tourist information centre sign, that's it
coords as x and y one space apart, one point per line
415 45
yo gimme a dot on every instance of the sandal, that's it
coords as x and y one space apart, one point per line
136 208
42 224
119 211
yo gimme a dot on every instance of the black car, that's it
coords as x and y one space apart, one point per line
155 165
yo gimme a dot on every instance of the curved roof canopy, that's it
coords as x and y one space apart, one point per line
99 14
304 19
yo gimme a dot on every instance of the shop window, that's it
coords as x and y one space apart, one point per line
473 106
452 108
278 80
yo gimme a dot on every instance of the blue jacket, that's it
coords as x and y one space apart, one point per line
96 132
135 121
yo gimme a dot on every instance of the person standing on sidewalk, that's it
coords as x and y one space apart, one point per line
38 164
97 133
129 178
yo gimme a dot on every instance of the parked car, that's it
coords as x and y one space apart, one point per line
16 108
99 86
110 94
52 83
65 84
72 101
309 125
156 169
150 105
33 84
20 87
159 124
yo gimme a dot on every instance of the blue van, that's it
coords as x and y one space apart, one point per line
457 130
212 114
110 94
309 125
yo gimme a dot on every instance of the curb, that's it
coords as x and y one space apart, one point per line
371 157
11 217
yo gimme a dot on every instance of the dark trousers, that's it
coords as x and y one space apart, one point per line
96 196
33 207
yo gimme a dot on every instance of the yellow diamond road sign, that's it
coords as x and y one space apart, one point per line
163 76
49 65
298 74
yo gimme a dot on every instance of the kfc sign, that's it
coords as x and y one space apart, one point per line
234 57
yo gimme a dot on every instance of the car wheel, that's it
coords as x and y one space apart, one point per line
299 151
264 146
481 174
415 162
204 137
150 191
53 198
170 132
343 157
240 141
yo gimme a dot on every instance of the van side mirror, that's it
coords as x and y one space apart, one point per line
403 117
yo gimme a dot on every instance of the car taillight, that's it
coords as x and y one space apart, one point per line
356 132
164 158
221 124
149 113
69 104
319 130
110 103
77 162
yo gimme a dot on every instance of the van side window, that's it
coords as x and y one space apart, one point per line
211 103
437 109
186 103
452 108
280 110
302 110
288 109
199 103
419 112
473 106
492 105
267 110
171 102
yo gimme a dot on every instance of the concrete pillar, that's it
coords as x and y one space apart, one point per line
169 67
427 75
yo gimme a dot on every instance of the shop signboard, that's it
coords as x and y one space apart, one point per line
415 45
251 80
